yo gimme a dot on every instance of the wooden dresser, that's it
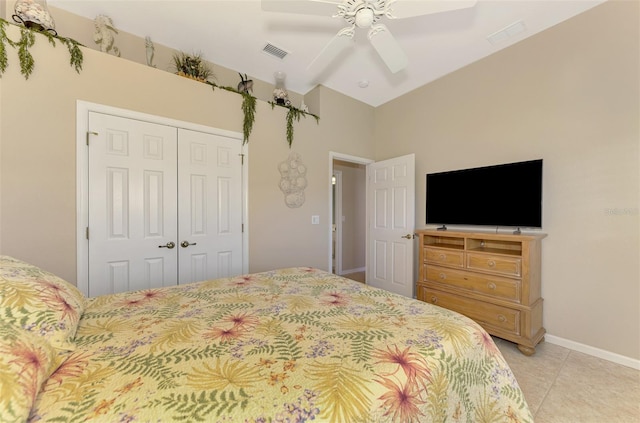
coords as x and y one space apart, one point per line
492 278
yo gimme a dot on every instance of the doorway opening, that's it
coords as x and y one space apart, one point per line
348 242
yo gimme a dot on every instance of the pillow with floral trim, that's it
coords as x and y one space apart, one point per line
39 302
26 361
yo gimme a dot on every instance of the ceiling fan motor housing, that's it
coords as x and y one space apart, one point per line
362 13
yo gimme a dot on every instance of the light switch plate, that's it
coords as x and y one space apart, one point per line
315 219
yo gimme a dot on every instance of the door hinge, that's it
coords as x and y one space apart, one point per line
87 232
242 229
90 133
241 158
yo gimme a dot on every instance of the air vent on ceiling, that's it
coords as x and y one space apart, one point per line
274 51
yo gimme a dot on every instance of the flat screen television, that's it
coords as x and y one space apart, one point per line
501 195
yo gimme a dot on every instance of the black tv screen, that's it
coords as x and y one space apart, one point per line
501 195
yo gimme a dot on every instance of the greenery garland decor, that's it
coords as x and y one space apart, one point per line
27 40
75 54
27 63
248 109
293 114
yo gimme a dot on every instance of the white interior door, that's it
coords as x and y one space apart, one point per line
210 206
132 204
391 219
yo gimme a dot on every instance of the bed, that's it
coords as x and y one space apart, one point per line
289 345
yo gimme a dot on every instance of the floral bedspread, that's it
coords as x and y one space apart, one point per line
291 345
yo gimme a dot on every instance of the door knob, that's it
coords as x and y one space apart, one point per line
169 245
185 244
407 236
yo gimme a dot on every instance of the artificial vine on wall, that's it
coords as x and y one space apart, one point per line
26 41
27 64
248 109
293 114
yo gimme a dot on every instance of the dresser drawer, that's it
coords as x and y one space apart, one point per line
496 264
444 257
493 286
490 316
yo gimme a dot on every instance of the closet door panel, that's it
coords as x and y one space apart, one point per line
132 204
210 206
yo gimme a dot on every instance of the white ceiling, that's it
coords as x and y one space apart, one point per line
233 33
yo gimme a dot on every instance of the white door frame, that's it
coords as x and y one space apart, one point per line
338 221
345 158
82 178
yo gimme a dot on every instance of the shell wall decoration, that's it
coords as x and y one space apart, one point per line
293 180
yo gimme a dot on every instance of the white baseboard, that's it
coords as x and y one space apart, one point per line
348 271
593 351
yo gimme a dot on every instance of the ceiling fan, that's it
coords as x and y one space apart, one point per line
365 14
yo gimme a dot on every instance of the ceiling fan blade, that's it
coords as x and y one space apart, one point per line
388 48
332 50
400 9
303 7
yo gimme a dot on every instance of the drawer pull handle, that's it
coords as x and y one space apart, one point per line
442 276
443 256
434 299
502 318
491 285
491 263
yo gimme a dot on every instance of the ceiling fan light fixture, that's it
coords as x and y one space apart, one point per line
364 17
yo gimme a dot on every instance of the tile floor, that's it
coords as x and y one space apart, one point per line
565 386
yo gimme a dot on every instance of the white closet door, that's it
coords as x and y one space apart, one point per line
132 205
209 205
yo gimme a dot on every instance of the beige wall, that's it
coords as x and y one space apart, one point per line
568 95
37 150
281 236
